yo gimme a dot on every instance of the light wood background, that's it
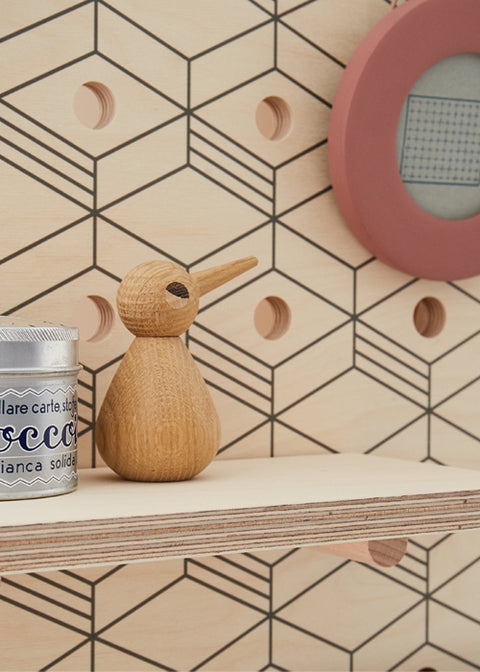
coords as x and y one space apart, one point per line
188 164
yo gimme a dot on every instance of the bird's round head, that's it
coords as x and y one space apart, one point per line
159 298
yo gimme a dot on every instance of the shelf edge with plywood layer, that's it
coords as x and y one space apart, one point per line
237 506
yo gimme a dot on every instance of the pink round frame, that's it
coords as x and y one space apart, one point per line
362 140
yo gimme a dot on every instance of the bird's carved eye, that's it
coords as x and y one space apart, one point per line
176 294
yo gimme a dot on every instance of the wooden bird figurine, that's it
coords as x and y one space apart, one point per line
158 421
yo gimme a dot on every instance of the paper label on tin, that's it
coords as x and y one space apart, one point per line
38 437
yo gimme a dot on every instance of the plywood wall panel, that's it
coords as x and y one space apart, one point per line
182 172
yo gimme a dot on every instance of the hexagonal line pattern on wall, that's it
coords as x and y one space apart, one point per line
351 373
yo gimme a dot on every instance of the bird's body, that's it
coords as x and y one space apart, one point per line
155 425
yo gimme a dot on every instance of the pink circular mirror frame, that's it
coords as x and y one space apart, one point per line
362 140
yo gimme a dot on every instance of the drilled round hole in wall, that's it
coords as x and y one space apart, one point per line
176 295
272 318
94 105
274 118
429 317
95 318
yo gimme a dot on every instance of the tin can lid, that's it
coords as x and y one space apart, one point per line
34 346
19 329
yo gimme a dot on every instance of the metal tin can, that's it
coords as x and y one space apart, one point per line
38 408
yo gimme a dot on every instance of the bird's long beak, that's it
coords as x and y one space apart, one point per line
214 277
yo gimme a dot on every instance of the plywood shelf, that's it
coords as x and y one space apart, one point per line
237 505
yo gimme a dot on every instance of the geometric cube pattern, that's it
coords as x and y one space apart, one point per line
183 173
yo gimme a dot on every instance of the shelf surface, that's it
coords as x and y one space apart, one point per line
237 505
